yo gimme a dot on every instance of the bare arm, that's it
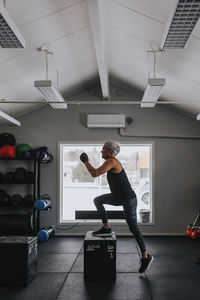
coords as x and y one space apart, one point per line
107 165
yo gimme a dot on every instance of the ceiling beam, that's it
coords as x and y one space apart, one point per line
96 14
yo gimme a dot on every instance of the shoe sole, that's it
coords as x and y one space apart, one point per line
149 264
103 234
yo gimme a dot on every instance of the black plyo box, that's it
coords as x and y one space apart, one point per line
99 257
18 260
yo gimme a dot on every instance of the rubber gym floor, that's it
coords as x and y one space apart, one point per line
173 274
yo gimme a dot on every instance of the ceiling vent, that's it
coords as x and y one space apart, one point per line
106 121
10 37
181 24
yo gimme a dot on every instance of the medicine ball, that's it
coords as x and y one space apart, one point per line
8 151
16 200
21 148
7 139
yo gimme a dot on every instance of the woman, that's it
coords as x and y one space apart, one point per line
121 194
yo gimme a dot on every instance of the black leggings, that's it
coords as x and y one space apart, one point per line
130 214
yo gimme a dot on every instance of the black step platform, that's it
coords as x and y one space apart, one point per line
18 260
99 257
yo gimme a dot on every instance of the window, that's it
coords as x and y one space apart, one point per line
78 188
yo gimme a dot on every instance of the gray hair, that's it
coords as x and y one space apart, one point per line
113 146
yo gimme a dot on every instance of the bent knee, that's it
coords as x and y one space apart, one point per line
96 200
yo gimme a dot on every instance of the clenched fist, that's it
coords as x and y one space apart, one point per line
84 157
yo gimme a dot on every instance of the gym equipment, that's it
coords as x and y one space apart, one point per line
193 228
4 199
20 175
24 219
30 177
99 257
18 221
34 153
16 200
2 192
1 177
18 260
7 139
42 154
189 230
45 157
194 234
44 203
84 158
28 200
8 177
46 233
8 151
21 148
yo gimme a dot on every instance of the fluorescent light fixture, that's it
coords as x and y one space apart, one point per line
10 37
50 94
152 92
181 24
4 118
198 117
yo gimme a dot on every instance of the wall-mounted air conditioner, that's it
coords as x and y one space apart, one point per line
106 121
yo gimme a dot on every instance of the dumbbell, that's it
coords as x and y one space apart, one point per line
46 233
9 177
16 200
20 175
44 203
34 153
45 157
28 200
4 198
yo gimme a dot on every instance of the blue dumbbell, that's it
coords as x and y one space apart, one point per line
43 204
46 233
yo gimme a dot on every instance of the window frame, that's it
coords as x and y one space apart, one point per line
92 222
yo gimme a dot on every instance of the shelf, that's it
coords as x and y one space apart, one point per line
3 182
18 158
20 215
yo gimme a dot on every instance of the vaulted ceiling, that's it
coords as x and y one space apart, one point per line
85 44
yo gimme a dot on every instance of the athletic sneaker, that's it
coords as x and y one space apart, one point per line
103 232
145 263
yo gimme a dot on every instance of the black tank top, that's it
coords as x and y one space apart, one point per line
120 186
